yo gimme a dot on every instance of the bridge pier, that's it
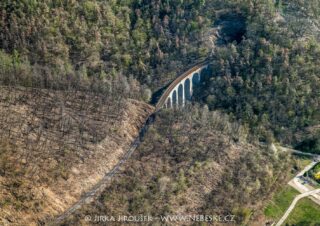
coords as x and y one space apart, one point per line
181 89
174 98
177 100
169 104
183 96
191 90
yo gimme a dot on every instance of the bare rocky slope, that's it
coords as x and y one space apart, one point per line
56 145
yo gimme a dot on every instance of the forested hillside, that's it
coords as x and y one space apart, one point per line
270 80
56 145
73 75
193 162
100 39
264 59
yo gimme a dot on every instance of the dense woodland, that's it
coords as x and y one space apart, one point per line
100 39
263 88
270 80
265 61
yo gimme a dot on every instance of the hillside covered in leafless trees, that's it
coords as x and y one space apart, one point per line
79 79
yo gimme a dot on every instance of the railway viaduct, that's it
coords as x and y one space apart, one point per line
181 89
175 95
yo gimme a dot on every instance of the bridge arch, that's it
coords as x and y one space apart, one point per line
180 95
195 79
169 105
181 89
204 74
187 89
174 99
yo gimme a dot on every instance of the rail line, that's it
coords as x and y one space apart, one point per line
97 190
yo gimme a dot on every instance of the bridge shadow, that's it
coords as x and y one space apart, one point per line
156 95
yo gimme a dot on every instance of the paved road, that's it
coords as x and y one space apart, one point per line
286 149
300 184
293 204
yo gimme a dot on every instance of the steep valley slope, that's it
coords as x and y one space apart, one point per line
192 162
56 145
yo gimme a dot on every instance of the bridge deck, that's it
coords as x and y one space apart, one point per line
173 85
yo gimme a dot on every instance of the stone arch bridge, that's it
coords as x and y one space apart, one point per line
181 89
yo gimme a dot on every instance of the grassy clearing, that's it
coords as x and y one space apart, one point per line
280 202
306 213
